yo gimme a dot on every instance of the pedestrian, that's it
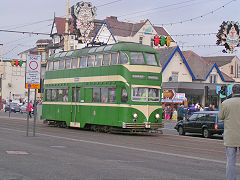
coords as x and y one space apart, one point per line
229 112
30 110
168 112
180 112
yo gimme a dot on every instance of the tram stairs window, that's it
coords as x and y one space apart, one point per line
124 96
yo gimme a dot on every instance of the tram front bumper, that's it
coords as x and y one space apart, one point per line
145 125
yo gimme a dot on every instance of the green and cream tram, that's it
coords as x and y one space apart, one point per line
107 88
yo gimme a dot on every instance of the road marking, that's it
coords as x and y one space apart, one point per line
128 147
17 152
57 146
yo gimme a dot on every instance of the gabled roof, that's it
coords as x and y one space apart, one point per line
125 29
227 78
199 66
203 68
220 60
166 55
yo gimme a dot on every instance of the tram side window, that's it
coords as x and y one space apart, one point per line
104 95
65 95
90 61
59 95
54 93
96 95
98 60
76 94
151 60
83 62
123 58
61 64
67 63
55 65
112 95
48 95
139 94
74 63
153 94
114 57
137 58
50 66
124 96
106 59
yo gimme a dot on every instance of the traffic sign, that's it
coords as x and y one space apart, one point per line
33 71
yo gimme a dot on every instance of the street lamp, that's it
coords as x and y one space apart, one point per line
1 77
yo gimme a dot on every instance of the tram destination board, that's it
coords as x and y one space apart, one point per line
33 70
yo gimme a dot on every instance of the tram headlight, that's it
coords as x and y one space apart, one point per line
135 115
157 116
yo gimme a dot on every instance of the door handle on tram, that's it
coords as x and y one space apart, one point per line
71 108
78 108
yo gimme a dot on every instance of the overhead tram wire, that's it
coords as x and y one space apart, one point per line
142 11
167 10
24 32
197 17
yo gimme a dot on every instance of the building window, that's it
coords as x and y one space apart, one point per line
44 55
152 43
140 40
231 69
173 77
213 79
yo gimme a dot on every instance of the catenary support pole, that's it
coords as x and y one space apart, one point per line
28 111
35 112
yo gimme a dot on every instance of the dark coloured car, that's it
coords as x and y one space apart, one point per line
14 107
205 123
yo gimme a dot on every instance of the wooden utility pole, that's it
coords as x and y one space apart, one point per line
66 28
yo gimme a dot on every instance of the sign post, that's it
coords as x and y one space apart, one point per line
33 71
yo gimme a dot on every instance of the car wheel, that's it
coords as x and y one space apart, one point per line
181 131
206 133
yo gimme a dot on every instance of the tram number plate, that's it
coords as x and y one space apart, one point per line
75 124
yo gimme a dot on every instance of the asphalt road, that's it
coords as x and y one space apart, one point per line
73 154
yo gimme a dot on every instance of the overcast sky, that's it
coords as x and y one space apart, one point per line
22 15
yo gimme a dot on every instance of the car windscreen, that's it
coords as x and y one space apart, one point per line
193 117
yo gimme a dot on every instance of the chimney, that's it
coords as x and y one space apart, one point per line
113 18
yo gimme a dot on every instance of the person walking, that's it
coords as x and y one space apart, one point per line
30 110
229 112
180 112
168 112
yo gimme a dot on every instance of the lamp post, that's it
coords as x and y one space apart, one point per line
1 74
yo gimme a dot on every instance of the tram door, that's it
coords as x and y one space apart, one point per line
75 116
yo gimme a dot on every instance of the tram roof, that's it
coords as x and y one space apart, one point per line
121 46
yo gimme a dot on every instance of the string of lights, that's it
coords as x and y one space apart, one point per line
197 17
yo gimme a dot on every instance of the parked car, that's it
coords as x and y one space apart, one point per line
205 123
23 108
14 107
